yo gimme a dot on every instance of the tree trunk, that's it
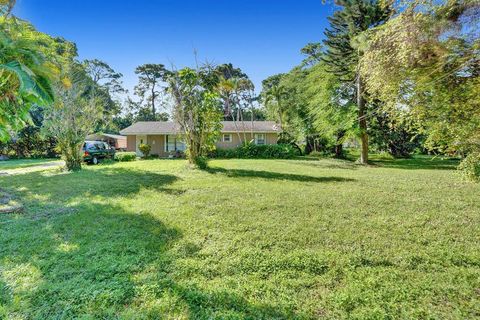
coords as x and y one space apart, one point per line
192 154
243 126
339 145
73 157
362 121
154 116
280 118
236 127
251 124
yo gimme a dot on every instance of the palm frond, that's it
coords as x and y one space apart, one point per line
34 88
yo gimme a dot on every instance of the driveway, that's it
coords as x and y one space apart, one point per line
40 167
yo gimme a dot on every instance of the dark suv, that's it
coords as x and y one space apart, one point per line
93 151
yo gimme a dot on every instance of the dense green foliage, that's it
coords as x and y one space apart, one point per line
423 64
73 116
253 151
125 156
246 239
34 69
392 135
150 89
344 48
108 87
26 70
29 142
196 110
470 166
403 79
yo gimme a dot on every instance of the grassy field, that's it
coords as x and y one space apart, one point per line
247 239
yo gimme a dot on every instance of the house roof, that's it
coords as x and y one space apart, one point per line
170 127
108 135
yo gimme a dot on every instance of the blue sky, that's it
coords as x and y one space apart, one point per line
262 37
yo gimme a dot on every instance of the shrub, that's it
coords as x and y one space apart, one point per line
253 151
145 149
201 162
470 167
125 156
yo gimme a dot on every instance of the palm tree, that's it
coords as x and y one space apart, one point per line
228 90
6 6
24 76
274 97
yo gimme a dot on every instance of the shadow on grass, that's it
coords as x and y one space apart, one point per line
332 163
108 181
418 163
92 263
242 173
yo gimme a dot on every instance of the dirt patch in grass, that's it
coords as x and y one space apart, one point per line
8 204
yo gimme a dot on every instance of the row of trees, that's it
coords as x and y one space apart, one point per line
395 77
51 100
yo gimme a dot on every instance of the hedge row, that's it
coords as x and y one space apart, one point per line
125 156
253 151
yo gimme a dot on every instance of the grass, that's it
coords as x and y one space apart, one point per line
246 239
23 163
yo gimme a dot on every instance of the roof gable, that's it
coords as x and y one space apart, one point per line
170 127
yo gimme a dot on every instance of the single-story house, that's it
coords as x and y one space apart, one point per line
165 137
117 141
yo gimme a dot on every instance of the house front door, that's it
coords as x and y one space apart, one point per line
139 141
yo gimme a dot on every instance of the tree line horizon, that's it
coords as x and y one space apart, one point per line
398 77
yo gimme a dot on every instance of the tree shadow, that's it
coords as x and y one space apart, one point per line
331 164
108 182
417 163
222 305
87 261
242 173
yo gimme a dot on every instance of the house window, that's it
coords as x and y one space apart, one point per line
260 138
174 143
227 138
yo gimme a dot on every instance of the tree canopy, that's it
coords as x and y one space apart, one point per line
149 88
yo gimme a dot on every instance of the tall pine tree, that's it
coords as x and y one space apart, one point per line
343 49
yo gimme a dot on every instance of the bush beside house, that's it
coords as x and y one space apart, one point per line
253 151
125 156
145 149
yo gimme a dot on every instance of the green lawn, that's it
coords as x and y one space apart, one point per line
248 239
23 163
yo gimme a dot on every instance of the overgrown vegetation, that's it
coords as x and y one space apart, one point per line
196 110
399 77
253 151
73 115
386 77
25 73
470 167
